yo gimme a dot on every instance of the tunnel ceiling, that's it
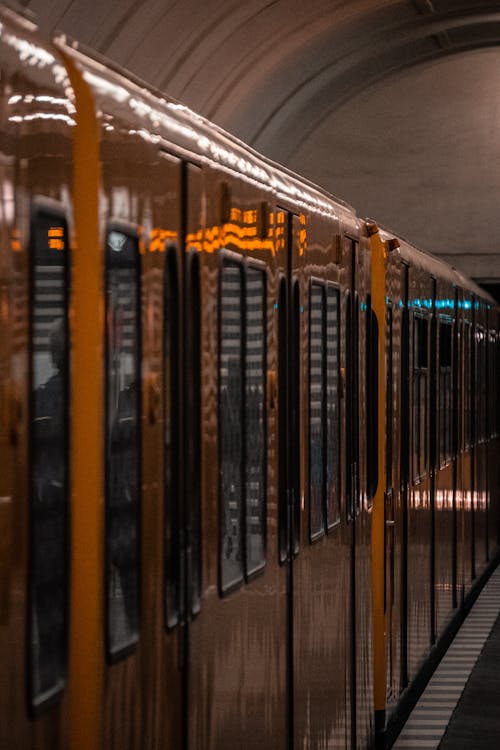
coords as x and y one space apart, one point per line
394 106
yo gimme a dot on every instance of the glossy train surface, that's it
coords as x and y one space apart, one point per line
249 442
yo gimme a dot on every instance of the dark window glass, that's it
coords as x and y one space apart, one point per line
491 387
316 408
495 381
352 406
332 405
460 383
481 383
49 455
405 424
171 455
467 385
295 358
255 418
420 399
289 438
445 403
122 441
192 434
355 404
371 400
282 421
231 420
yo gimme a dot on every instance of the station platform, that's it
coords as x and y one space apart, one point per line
460 706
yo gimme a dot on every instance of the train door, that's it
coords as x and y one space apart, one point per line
390 597
321 571
148 402
153 451
289 441
171 443
360 371
466 459
493 468
481 438
234 652
361 423
445 458
393 510
462 535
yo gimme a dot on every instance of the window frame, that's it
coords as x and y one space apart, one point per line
42 206
114 655
481 357
193 436
261 267
316 534
420 374
445 443
171 499
243 263
467 347
327 525
336 288
492 408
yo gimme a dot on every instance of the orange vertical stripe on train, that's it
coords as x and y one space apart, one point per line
87 505
378 255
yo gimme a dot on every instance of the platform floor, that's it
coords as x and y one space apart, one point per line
460 707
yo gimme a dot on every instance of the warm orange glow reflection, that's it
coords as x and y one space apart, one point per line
56 238
243 236
302 234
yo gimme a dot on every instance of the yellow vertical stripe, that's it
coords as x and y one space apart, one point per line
87 506
378 254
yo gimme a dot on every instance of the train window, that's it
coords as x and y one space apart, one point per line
352 406
282 421
456 386
420 396
371 400
295 360
231 415
170 434
255 418
467 391
316 409
355 404
481 395
49 457
445 400
123 440
332 406
496 374
193 432
405 388
491 390
324 408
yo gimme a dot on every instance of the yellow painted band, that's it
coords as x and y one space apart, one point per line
87 506
378 254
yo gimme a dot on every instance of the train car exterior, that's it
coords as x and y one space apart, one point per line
251 475
438 522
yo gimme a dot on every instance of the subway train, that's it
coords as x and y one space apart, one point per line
249 442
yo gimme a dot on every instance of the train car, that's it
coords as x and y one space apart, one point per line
439 516
249 479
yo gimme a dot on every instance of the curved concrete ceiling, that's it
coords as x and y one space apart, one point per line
391 105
